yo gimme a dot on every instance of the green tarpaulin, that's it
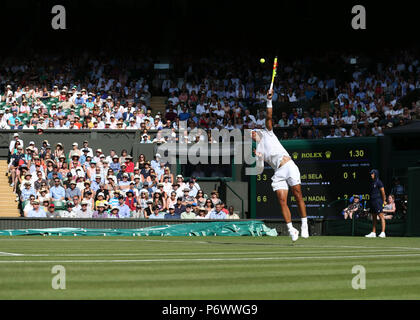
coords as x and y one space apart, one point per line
230 228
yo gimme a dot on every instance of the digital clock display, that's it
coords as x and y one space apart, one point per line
330 174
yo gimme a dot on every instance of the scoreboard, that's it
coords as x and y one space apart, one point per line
331 170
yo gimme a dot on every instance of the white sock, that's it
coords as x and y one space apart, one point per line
304 222
289 226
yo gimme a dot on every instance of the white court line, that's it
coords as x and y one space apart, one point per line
213 259
193 253
9 254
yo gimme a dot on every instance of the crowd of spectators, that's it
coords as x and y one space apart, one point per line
223 94
86 183
212 93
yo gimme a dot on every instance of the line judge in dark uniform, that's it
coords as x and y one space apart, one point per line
377 202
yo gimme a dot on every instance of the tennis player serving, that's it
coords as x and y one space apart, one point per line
286 173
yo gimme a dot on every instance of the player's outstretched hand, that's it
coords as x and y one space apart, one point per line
269 94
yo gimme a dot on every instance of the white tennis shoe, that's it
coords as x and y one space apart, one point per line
371 235
294 233
382 235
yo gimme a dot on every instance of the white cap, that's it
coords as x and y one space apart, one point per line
75 144
16 135
31 142
158 155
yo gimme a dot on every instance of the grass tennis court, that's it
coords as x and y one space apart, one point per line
209 267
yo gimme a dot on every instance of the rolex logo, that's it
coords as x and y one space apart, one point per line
295 155
328 154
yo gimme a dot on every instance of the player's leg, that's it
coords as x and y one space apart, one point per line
383 224
281 189
297 193
282 198
293 180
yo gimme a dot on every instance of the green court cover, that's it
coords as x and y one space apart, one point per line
229 228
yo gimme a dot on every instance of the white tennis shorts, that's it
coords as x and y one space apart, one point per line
285 176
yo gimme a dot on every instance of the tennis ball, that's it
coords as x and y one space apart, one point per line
262 60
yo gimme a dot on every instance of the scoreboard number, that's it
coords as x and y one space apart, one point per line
346 175
262 177
261 198
356 153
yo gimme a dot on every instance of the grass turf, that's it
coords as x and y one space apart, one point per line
209 267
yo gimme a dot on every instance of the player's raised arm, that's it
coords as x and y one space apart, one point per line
269 115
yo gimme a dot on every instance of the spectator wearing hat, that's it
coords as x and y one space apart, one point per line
72 191
155 163
145 171
115 164
156 213
148 211
202 213
75 163
102 190
352 208
88 197
96 182
124 183
179 192
180 181
86 146
85 154
97 157
51 213
138 213
131 198
129 164
186 198
100 199
43 194
188 213
75 150
138 185
13 142
171 214
100 212
114 194
70 212
27 191
114 213
37 211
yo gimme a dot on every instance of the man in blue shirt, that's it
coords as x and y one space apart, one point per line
124 209
377 202
27 192
156 214
171 214
37 211
79 99
184 115
12 119
57 192
54 174
218 213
